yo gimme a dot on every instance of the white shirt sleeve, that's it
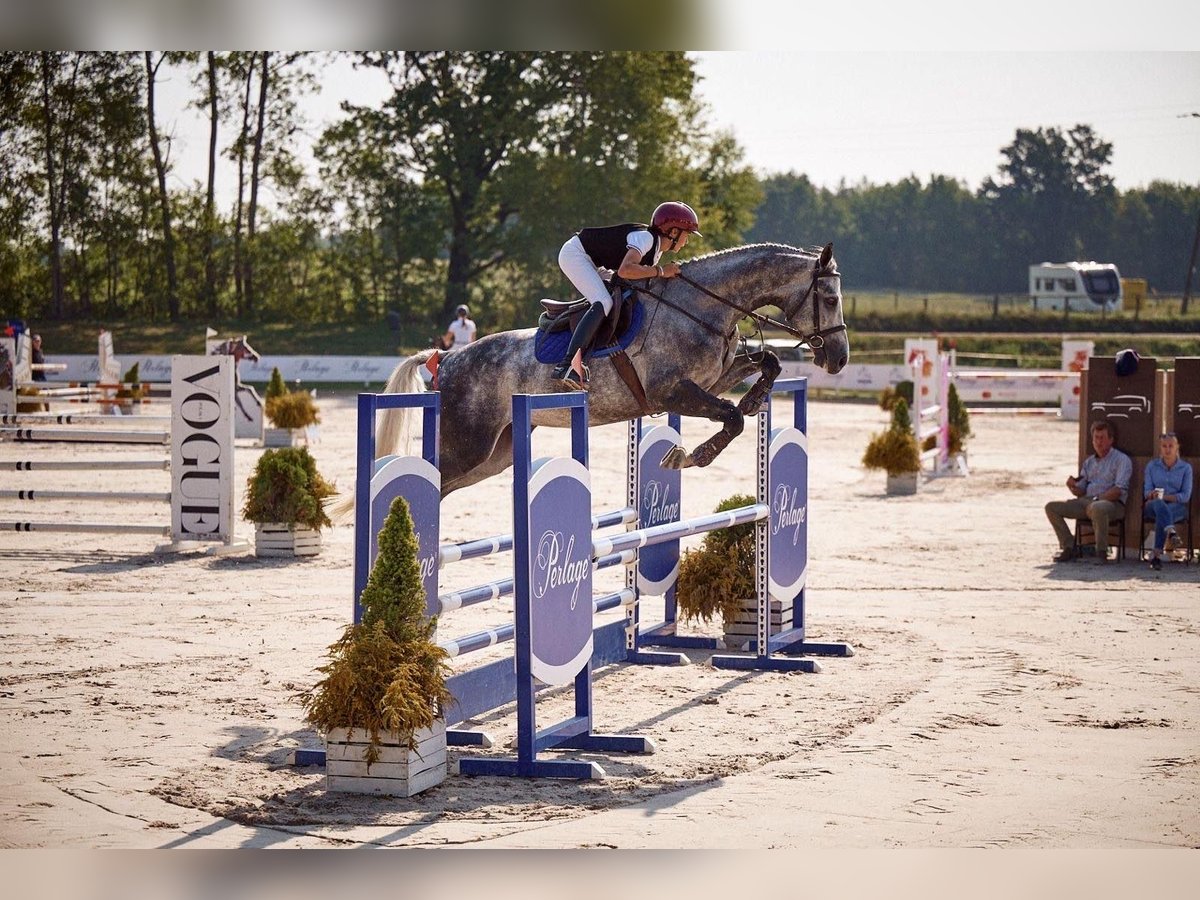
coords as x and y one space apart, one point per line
642 242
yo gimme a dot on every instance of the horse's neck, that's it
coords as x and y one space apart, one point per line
755 276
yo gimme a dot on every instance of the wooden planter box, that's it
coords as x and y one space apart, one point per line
899 485
278 539
744 628
399 772
283 437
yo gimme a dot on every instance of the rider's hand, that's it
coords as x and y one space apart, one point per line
670 270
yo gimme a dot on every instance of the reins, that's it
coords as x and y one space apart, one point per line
814 341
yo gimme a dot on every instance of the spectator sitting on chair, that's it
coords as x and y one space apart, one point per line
1100 490
1167 490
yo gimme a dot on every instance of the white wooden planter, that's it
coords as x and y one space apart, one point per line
744 628
283 437
399 772
902 484
278 539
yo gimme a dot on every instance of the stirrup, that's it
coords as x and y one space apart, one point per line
570 378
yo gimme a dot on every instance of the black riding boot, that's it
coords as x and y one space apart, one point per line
585 331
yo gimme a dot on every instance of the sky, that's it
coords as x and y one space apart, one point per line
875 115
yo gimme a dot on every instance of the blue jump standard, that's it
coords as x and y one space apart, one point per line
779 513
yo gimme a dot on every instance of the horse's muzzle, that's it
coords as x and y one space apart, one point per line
833 355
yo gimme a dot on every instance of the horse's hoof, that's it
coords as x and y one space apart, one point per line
676 458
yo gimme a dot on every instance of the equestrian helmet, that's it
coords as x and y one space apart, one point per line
675 214
462 310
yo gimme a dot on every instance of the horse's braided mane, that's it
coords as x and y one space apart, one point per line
766 245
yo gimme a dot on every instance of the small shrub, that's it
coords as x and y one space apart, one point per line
286 487
276 386
715 577
385 673
294 409
894 450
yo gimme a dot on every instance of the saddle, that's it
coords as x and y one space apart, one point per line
558 320
564 315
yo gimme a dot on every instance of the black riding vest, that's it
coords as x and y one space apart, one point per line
606 246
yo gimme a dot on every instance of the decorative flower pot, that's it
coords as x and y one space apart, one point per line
399 772
279 539
902 484
744 628
282 437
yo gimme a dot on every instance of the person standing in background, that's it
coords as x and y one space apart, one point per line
461 331
37 358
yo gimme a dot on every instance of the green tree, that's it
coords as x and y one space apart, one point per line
1050 186
524 148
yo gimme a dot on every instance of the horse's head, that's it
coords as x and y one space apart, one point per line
239 348
815 310
243 350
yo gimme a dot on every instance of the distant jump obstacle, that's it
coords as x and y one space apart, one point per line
200 461
556 643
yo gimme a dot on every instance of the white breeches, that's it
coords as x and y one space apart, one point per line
578 267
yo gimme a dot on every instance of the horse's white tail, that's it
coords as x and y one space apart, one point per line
394 428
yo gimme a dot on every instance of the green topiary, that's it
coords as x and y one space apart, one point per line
385 673
130 387
716 577
889 396
286 487
276 386
960 421
895 450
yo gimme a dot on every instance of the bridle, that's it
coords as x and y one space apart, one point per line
814 341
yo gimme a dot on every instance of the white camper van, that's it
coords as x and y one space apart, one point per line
1082 286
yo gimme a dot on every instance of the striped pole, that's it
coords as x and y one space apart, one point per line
499 543
489 637
669 531
86 437
85 528
493 590
84 495
38 465
78 419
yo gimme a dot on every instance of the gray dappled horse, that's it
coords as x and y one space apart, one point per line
687 353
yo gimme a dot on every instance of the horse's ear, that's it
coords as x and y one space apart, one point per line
826 254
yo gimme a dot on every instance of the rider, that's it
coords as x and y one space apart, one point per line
632 250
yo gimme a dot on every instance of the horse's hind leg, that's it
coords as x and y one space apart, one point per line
689 399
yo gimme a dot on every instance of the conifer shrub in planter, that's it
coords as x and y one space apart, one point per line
381 700
717 580
895 452
284 500
130 391
289 412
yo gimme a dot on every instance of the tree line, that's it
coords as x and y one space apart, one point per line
461 186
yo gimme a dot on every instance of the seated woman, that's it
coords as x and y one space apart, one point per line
1167 490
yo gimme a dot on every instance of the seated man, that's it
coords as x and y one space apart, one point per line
1100 490
1167 490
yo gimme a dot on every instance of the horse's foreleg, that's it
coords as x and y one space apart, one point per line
752 400
689 399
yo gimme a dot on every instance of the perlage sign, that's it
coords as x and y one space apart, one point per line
658 503
560 570
201 448
418 482
787 528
